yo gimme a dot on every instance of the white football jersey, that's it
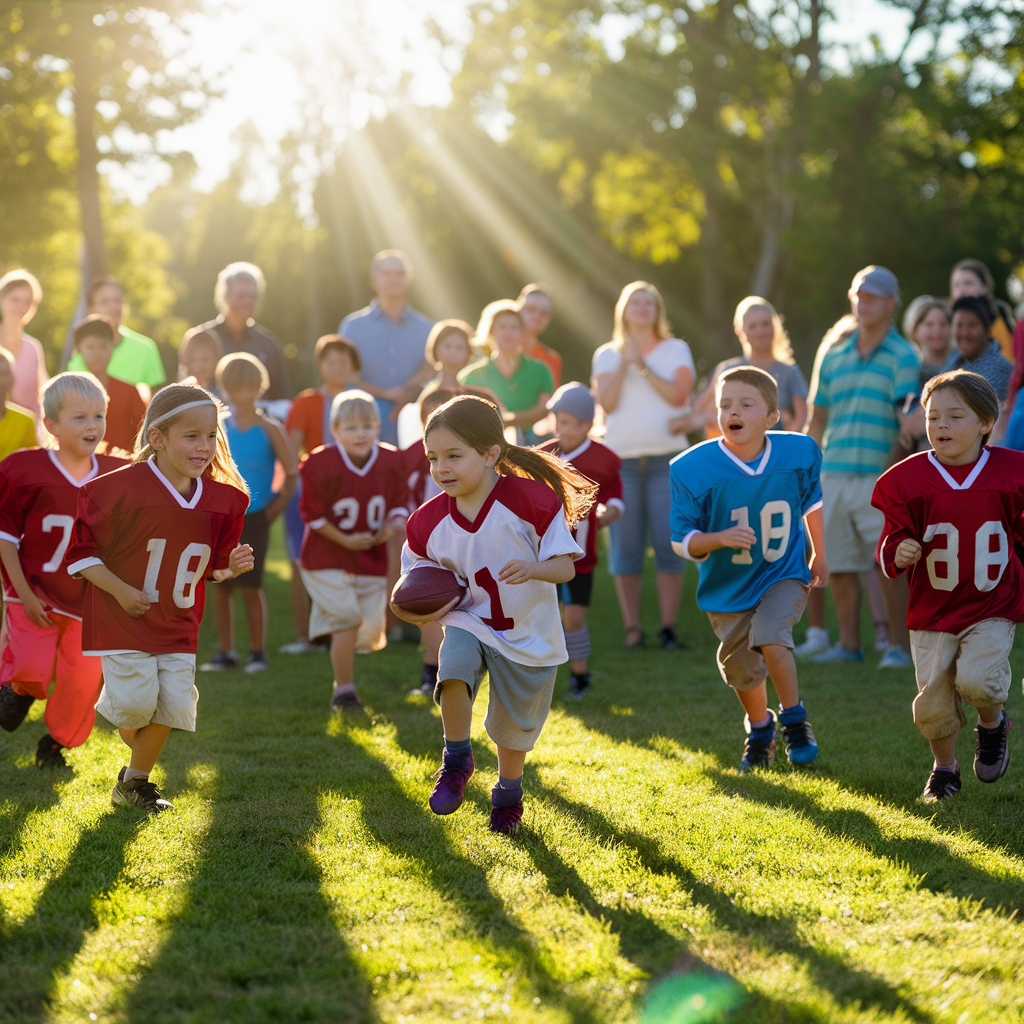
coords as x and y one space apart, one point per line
521 520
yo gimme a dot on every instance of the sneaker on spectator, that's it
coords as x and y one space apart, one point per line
837 654
222 661
299 647
896 657
991 752
815 643
882 640
257 662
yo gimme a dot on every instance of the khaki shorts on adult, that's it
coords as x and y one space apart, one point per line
139 689
520 695
953 669
744 633
852 526
342 601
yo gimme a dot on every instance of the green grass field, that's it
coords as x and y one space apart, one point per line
303 878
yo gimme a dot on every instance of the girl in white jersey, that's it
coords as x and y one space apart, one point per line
502 526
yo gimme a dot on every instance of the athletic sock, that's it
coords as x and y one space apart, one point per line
947 767
134 773
764 723
344 688
458 748
429 676
508 792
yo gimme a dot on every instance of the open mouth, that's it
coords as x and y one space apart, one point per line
735 428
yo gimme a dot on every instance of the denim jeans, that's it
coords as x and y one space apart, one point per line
647 495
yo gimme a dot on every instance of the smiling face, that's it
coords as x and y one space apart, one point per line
966 282
641 312
18 306
357 434
970 333
536 313
507 332
80 426
458 469
743 415
955 430
96 353
933 334
189 444
759 330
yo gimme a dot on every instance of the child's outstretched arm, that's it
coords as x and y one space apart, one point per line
815 523
558 569
240 560
32 603
133 601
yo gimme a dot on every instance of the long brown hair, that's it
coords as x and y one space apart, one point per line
477 422
164 403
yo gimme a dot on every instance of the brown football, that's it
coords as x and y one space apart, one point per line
426 589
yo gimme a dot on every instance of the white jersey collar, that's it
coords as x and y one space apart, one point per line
93 472
569 456
351 466
739 462
978 467
175 493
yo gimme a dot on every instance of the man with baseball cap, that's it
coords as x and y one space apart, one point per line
857 401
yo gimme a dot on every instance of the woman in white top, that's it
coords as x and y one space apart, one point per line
20 295
643 378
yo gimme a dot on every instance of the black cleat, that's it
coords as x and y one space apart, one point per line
141 793
48 754
942 784
13 707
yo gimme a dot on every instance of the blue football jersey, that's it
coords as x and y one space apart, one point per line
713 490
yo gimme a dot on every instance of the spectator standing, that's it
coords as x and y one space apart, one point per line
536 309
136 358
972 277
17 427
861 388
239 289
976 350
391 337
20 295
643 378
928 323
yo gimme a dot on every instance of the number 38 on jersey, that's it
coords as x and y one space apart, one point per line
987 562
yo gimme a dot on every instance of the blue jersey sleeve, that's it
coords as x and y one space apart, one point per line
688 514
812 497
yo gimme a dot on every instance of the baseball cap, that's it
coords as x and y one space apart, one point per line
575 399
876 280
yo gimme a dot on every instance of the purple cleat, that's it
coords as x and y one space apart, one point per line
450 788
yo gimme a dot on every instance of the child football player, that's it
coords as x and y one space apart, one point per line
573 406
502 525
952 516
354 492
42 635
739 505
147 537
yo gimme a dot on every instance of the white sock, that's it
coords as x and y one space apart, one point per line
134 773
344 688
947 767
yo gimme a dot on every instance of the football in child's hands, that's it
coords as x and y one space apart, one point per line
426 589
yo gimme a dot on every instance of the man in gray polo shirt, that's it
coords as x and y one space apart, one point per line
392 339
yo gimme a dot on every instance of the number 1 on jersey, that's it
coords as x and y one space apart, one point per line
498 621
741 517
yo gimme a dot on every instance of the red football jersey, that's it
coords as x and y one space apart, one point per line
38 505
136 524
355 499
601 465
422 486
967 519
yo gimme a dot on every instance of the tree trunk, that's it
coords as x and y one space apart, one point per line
88 175
712 290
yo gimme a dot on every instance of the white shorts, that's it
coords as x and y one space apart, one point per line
852 524
952 669
343 601
139 689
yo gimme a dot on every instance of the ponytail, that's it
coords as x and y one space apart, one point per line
478 423
170 402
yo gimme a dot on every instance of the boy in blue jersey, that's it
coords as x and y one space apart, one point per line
739 504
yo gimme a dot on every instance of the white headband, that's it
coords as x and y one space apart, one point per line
180 409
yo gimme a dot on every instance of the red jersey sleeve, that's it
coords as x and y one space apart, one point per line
891 502
12 514
93 530
313 502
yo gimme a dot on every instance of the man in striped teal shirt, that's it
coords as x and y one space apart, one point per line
858 397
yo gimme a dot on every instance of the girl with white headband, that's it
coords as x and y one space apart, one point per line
147 538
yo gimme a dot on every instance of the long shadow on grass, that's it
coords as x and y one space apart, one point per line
943 870
25 790
400 824
255 940
45 944
846 984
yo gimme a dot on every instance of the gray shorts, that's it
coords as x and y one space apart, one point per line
743 633
520 695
